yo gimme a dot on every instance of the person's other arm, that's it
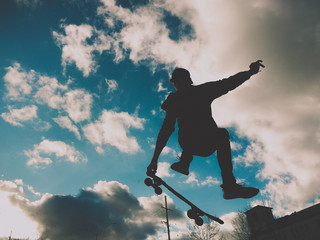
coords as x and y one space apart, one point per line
165 132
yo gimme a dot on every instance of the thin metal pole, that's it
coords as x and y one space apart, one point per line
165 198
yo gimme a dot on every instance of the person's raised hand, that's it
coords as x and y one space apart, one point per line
255 66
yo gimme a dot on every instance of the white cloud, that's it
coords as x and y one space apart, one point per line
76 49
60 149
164 170
40 125
161 88
16 187
78 105
12 186
108 189
253 153
192 179
31 189
144 33
112 128
235 146
153 112
18 181
168 150
65 122
49 91
18 82
112 85
45 90
17 116
209 181
165 151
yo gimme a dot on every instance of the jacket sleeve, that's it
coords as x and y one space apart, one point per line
221 87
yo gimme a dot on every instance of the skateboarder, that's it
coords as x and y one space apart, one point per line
198 133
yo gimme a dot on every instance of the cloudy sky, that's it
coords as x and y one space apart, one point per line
81 87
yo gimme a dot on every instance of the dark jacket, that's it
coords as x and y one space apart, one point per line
192 106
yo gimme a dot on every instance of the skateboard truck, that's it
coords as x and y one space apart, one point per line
154 184
194 213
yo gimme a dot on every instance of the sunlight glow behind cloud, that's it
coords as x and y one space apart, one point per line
12 218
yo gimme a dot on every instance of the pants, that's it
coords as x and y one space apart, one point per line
205 144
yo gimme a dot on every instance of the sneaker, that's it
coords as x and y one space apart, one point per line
238 191
181 167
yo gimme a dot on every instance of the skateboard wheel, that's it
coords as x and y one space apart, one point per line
148 182
199 221
158 190
191 214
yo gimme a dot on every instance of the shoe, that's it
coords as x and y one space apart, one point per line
181 167
238 191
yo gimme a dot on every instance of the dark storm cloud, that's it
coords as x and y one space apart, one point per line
107 211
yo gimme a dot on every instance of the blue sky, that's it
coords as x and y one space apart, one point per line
81 86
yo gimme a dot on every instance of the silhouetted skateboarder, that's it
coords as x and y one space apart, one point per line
198 133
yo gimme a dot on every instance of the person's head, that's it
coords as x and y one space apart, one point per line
180 78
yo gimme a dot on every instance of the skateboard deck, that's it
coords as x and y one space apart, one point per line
194 213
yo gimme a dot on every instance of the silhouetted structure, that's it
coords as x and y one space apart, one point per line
167 216
302 225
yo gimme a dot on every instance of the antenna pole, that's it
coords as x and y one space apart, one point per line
167 222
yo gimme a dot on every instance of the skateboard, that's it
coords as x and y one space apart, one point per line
194 213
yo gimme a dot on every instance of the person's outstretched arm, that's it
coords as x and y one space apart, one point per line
239 78
165 132
219 88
